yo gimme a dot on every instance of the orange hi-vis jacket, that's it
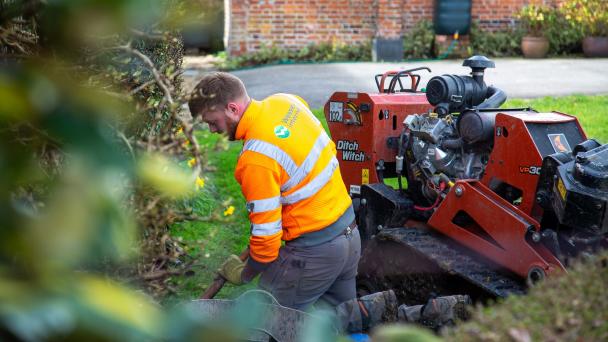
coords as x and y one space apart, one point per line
288 173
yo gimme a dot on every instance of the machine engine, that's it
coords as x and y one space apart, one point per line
444 147
438 151
494 197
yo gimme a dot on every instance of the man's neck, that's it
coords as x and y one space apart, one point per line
247 103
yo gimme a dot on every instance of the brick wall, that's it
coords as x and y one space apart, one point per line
293 24
494 15
416 10
296 23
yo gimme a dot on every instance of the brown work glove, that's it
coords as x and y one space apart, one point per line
232 269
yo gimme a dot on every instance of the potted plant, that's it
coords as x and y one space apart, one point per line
591 17
534 19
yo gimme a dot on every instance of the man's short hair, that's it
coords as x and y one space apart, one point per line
214 91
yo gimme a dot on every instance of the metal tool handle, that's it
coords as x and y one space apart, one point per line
219 281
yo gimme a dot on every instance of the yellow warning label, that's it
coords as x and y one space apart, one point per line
561 188
364 176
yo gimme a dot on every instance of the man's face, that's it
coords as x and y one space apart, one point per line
223 120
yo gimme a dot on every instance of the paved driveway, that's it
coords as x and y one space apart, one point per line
521 78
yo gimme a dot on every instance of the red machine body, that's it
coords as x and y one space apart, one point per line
496 214
498 228
360 151
358 120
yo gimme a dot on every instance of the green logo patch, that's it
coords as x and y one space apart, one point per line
281 132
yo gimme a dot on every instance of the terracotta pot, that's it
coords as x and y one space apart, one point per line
534 47
595 46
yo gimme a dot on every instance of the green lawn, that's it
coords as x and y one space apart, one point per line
592 111
214 240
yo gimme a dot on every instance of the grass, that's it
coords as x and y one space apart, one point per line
592 111
213 241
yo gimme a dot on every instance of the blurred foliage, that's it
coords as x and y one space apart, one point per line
568 307
323 52
590 17
402 332
534 19
557 24
94 144
495 44
563 33
564 36
418 42
564 39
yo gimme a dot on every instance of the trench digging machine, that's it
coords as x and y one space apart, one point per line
494 199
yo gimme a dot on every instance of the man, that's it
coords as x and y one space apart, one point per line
290 178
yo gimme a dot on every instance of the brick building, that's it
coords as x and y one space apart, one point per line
294 24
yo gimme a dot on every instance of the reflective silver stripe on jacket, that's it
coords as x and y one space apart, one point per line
314 185
267 204
273 152
308 163
266 229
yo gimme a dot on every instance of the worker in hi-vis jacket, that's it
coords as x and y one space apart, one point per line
290 178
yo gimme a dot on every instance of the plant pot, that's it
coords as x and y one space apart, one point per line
595 46
534 47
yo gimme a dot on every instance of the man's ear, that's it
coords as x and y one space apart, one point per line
233 109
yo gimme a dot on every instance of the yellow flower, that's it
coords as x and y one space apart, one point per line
191 162
180 130
229 211
200 183
186 144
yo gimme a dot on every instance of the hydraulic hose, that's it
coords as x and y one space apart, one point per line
495 98
452 143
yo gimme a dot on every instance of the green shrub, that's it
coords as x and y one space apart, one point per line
495 44
565 307
418 42
96 113
89 170
556 24
322 52
534 19
590 17
564 37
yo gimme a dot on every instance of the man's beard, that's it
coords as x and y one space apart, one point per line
231 129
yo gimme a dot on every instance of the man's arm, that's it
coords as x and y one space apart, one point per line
260 185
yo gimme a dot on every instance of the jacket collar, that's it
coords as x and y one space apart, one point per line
248 118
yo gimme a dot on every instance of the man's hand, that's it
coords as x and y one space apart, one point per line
232 269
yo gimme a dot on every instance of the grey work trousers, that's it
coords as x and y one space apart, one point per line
303 275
